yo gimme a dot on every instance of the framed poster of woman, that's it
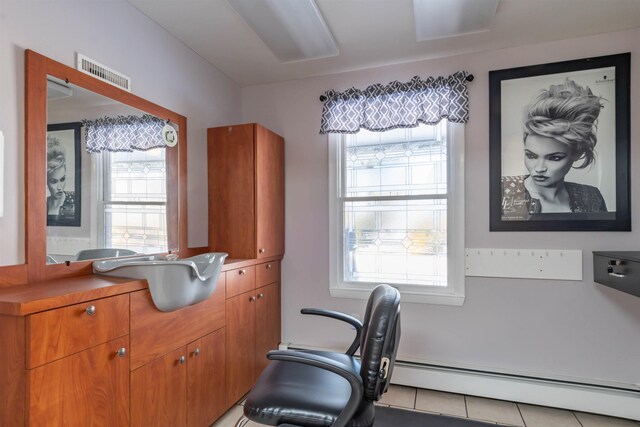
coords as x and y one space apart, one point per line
559 146
63 174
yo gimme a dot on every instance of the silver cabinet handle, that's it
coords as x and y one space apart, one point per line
182 360
268 266
260 295
261 250
616 274
241 272
251 299
196 352
91 310
122 352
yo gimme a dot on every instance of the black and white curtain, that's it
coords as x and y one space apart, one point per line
397 105
124 133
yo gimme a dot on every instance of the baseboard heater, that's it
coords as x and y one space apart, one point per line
611 400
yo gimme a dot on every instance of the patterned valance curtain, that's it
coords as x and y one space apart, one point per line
397 105
124 133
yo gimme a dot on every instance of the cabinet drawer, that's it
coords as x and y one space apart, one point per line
240 280
618 270
57 333
267 273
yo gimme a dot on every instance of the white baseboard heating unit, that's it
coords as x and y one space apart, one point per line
612 400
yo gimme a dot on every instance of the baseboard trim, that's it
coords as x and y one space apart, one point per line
604 400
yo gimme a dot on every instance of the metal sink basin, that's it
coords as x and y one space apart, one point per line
174 283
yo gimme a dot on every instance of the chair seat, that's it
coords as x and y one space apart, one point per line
298 394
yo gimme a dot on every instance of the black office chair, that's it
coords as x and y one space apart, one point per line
321 388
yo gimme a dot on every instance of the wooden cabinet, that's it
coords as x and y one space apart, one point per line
87 388
206 379
159 391
253 329
267 324
68 366
183 386
246 191
96 351
241 357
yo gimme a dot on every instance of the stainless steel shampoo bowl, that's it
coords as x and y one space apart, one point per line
174 283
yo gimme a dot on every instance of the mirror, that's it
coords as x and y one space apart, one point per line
87 200
106 177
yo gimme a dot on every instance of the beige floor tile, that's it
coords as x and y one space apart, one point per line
498 411
398 395
593 420
230 418
441 402
541 416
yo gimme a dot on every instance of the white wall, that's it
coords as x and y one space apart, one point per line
162 69
547 328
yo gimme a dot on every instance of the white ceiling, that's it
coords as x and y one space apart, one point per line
372 33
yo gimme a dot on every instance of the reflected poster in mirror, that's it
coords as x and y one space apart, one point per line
63 175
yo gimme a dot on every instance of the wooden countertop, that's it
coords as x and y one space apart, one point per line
31 298
34 297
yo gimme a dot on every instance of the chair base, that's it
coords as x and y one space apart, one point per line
241 422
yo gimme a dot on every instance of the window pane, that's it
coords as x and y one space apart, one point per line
141 228
396 163
139 176
398 242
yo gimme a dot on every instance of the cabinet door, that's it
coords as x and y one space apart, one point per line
89 388
231 172
159 392
269 193
240 341
267 323
206 382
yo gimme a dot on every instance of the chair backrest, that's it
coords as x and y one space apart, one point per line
379 340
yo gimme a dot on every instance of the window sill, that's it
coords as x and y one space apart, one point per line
407 296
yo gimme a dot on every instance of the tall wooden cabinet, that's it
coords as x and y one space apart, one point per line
246 191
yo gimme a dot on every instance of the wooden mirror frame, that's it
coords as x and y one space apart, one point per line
37 68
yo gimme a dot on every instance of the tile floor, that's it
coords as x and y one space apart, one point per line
498 412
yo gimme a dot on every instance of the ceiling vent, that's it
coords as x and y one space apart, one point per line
101 72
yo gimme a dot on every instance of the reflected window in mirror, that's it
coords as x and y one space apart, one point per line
132 203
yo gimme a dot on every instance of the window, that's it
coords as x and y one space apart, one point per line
132 206
397 213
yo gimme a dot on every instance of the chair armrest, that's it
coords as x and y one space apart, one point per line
331 365
343 317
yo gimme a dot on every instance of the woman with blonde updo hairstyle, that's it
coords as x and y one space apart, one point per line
56 175
560 127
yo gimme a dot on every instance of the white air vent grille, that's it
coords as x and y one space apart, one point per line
101 72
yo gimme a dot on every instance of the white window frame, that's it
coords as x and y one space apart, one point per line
454 292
